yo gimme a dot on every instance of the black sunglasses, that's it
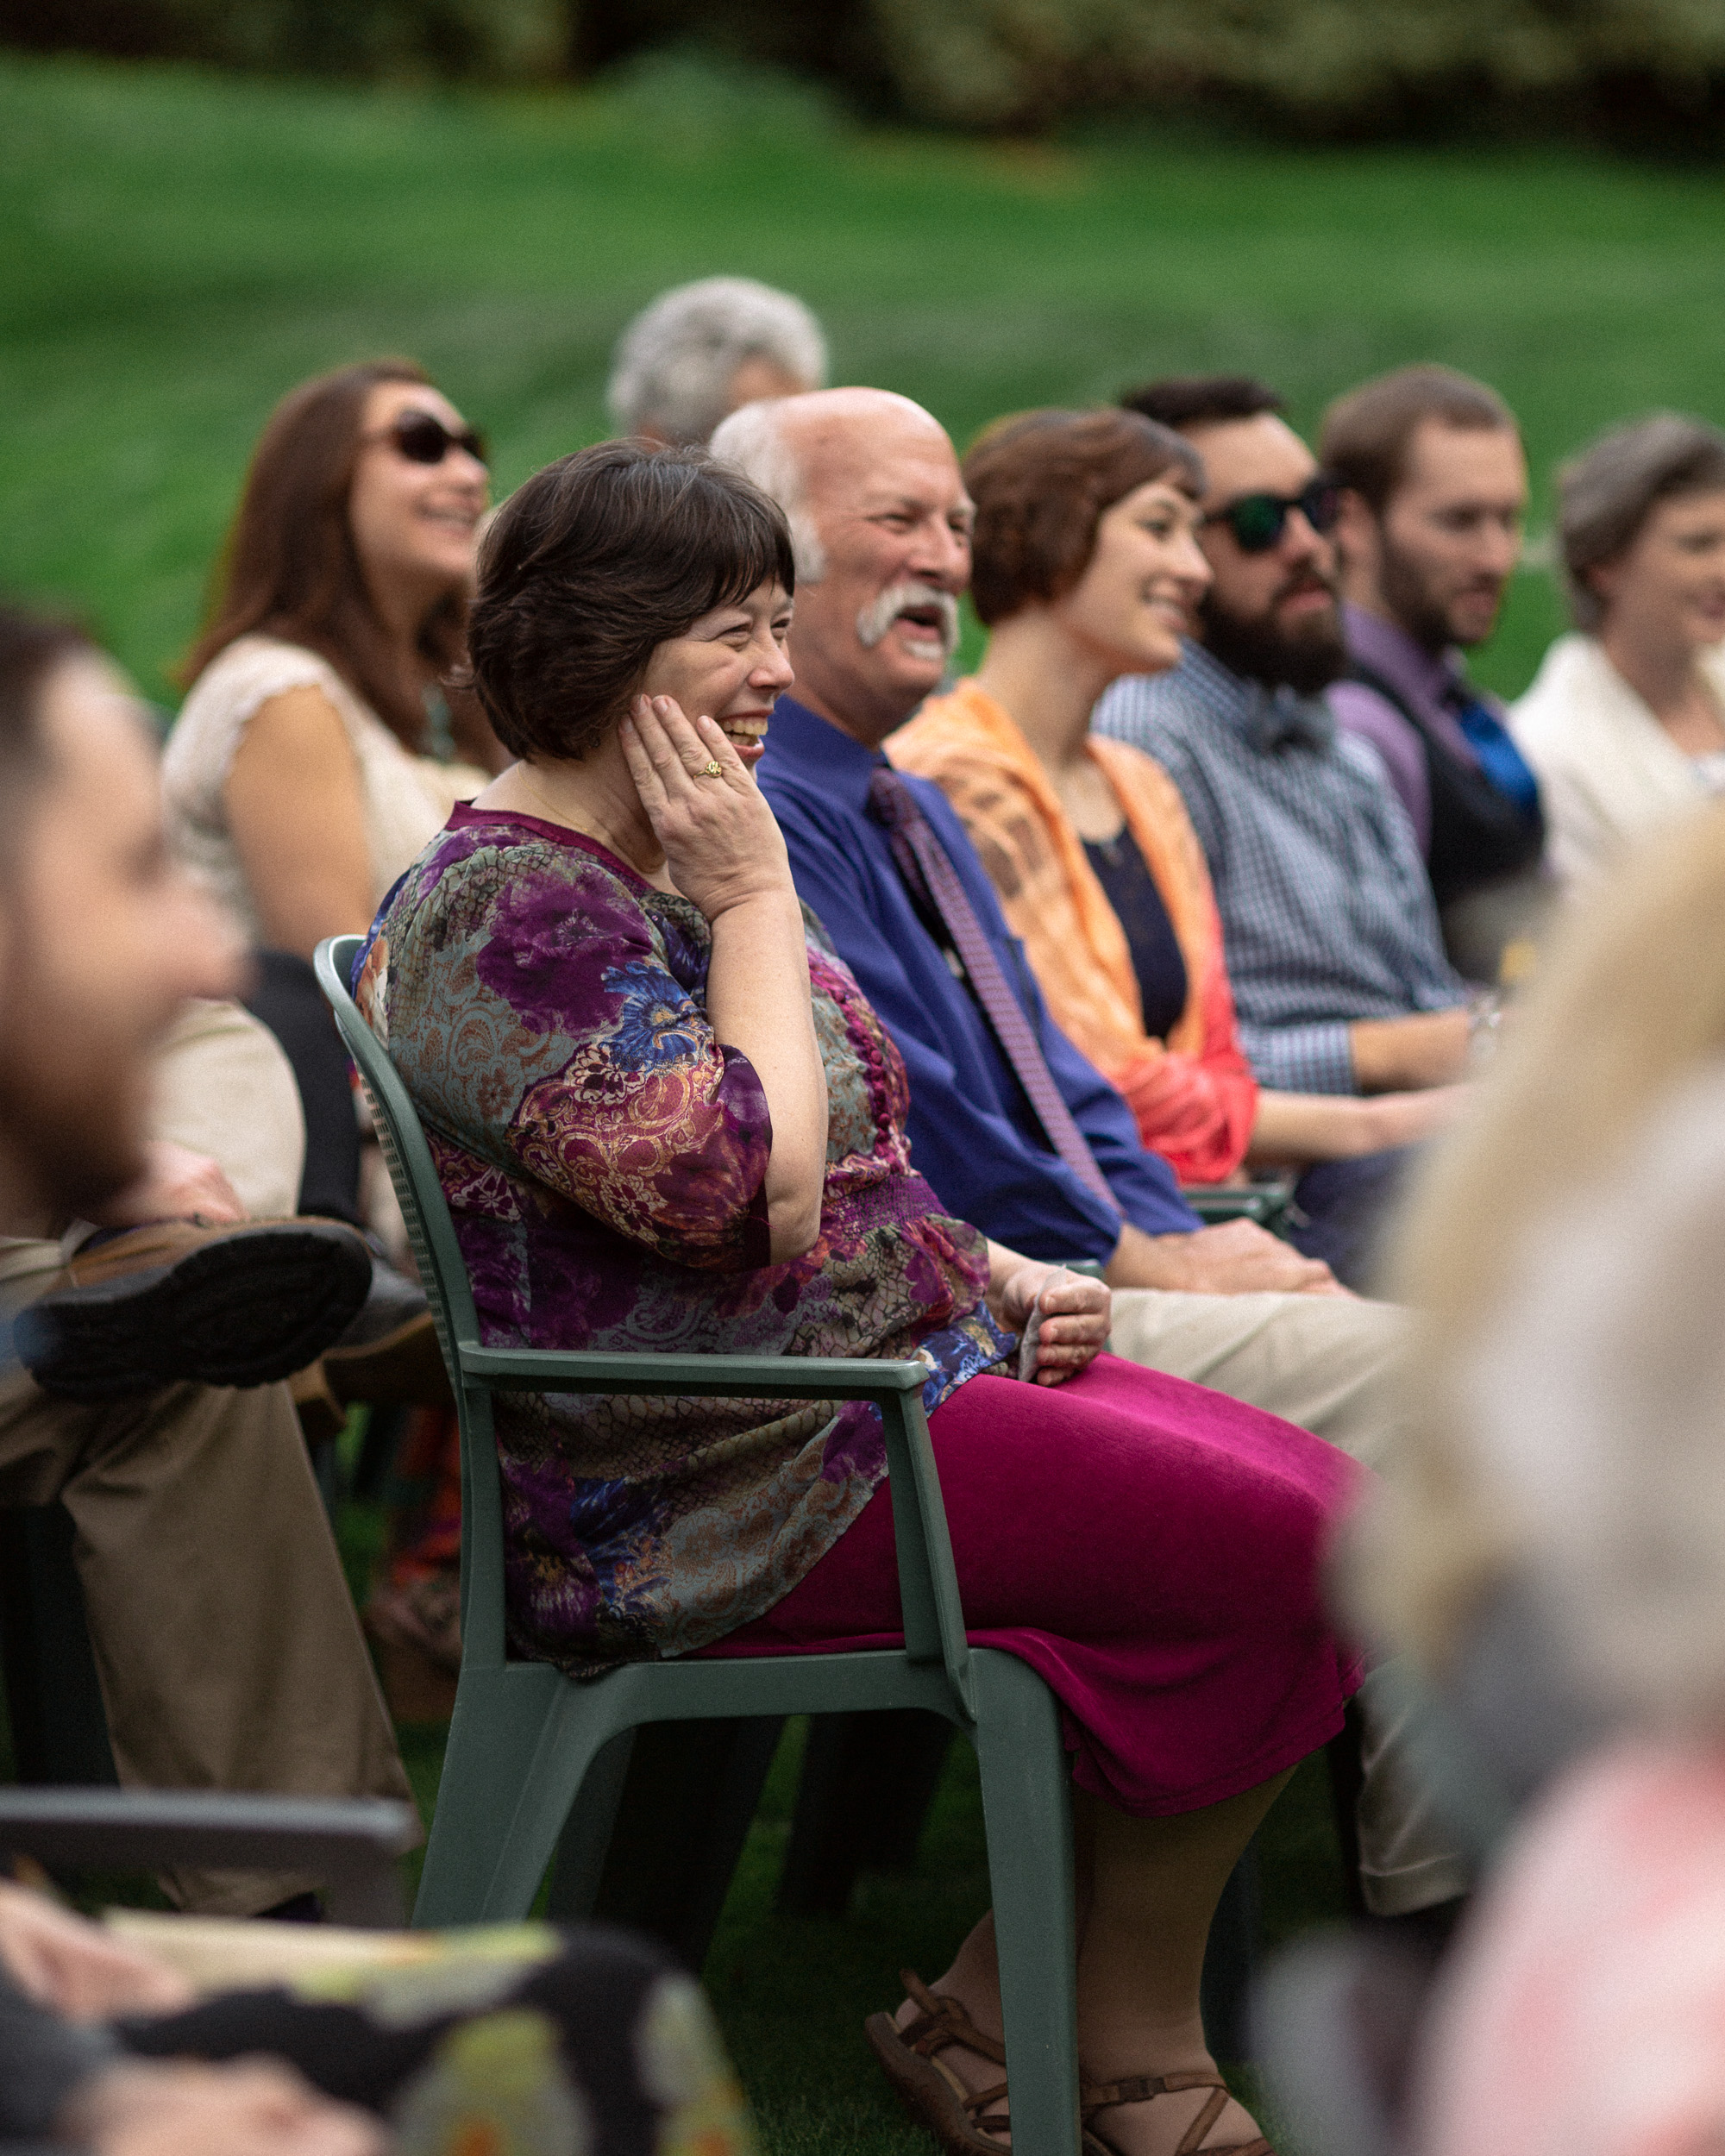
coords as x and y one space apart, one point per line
423 439
1257 521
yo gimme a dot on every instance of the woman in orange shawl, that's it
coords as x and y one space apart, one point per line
1086 568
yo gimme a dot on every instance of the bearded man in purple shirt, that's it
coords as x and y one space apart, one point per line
1433 490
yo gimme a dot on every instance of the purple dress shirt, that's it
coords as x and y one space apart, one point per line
1428 683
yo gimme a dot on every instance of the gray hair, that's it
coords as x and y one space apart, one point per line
755 440
1607 494
674 363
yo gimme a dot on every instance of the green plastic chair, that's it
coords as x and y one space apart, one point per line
524 1738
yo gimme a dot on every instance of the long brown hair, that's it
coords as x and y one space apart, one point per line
289 567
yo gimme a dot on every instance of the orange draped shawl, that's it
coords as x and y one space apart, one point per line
1195 1096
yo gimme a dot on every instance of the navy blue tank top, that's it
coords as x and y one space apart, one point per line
1156 955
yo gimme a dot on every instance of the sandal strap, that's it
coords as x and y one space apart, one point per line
1103 2095
942 2021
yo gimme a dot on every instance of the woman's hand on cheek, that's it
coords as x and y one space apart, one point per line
1077 1313
722 845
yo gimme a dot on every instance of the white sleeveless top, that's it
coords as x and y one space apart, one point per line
406 800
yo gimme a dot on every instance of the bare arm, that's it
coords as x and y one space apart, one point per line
1235 1258
1294 1128
295 808
1428 1048
725 852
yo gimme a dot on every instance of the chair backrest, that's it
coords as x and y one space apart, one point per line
443 1273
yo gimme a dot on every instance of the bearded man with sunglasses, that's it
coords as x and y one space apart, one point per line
1340 975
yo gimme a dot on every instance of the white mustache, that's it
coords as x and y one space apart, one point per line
879 614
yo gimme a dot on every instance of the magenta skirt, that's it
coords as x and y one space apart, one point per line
1150 1547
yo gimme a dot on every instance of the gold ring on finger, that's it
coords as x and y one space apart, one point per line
711 769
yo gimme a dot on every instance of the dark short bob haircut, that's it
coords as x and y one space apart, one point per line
1042 483
596 562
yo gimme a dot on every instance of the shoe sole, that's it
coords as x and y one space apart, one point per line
248 1311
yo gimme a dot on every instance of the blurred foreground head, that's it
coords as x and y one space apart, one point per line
1566 1255
870 485
102 939
701 350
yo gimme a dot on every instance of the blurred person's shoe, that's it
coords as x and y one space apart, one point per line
388 1353
240 1305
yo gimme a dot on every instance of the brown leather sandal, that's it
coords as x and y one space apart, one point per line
1103 2095
932 2093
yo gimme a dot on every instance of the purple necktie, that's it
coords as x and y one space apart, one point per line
926 868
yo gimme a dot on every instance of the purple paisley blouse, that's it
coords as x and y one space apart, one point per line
603 1157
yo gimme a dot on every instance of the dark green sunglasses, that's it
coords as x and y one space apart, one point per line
1257 521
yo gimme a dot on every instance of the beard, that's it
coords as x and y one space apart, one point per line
1410 603
71 1106
1306 658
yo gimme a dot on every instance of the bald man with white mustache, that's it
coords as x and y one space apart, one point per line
880 520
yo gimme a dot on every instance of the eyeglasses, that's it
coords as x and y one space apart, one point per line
423 439
1257 521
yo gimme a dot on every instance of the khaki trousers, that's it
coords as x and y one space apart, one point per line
223 1633
1326 1362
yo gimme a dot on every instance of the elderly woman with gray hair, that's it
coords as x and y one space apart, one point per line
1625 724
701 351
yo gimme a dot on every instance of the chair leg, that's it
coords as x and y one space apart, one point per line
589 1832
583 1721
499 1718
1027 1810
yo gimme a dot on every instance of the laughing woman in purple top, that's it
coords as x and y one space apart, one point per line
666 1116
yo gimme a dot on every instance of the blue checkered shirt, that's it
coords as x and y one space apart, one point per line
1327 912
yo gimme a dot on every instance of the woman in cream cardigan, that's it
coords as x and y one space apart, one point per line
1086 568
1625 724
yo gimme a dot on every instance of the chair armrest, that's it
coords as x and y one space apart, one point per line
1267 1203
720 1376
352 1842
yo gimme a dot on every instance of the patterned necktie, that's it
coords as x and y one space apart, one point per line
933 880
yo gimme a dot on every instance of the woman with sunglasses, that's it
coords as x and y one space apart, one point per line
313 758
1086 568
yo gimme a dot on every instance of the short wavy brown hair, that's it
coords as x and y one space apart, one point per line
591 565
1042 482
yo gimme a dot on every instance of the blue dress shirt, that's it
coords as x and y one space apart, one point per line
973 1133
1327 914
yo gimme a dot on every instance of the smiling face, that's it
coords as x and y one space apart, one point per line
1137 596
415 525
1272 616
729 665
1667 589
883 493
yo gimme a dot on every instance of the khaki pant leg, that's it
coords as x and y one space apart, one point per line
223 1633
1326 1362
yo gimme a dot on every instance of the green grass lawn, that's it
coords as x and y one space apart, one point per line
180 248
